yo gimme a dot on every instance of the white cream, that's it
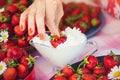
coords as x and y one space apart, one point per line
65 52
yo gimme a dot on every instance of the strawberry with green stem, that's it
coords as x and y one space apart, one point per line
110 61
75 77
99 69
11 72
67 70
55 40
59 76
28 60
89 62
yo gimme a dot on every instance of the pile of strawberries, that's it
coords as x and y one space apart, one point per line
91 68
19 62
9 20
80 15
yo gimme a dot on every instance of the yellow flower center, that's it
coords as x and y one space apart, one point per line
116 74
1 67
4 36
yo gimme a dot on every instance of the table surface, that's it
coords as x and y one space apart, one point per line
108 38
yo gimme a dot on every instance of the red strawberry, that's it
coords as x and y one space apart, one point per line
22 71
88 77
7 59
110 61
10 74
22 42
55 41
59 77
67 71
95 22
15 19
2 3
74 77
91 62
18 32
8 44
83 71
76 12
25 53
12 8
99 69
2 54
24 2
8 27
14 52
28 61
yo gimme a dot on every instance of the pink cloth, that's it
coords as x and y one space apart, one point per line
108 38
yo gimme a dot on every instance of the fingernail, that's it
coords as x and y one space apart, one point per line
41 36
21 27
57 36
30 30
59 30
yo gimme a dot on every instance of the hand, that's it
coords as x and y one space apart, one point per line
42 12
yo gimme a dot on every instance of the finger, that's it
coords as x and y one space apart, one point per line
51 7
40 15
23 19
59 13
31 21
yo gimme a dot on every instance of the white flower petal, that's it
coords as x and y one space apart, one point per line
4 67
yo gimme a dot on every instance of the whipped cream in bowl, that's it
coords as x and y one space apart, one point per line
64 53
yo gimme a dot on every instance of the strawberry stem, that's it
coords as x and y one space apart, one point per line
81 64
31 60
12 63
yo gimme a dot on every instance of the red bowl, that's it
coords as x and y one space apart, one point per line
31 75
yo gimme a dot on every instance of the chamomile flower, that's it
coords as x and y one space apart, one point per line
3 67
4 35
2 9
115 73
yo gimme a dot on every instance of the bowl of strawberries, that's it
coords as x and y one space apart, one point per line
88 18
92 68
15 62
10 11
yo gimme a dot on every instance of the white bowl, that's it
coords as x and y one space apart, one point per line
64 53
